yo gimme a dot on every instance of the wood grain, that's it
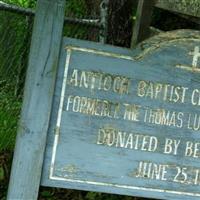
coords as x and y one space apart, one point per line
39 89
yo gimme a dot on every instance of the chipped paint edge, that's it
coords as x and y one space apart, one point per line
69 50
59 117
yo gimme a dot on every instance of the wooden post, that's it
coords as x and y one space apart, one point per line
141 28
38 94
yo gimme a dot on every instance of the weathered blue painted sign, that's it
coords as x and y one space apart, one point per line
127 122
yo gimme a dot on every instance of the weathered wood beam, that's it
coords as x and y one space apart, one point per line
187 7
41 75
141 28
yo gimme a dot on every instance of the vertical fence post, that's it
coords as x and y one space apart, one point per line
103 21
38 95
141 28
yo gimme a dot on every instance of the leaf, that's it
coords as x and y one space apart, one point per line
92 196
46 194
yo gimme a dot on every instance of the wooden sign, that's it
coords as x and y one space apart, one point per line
127 121
116 120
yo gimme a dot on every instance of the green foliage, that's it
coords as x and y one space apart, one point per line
23 3
48 195
77 9
9 114
93 196
15 31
